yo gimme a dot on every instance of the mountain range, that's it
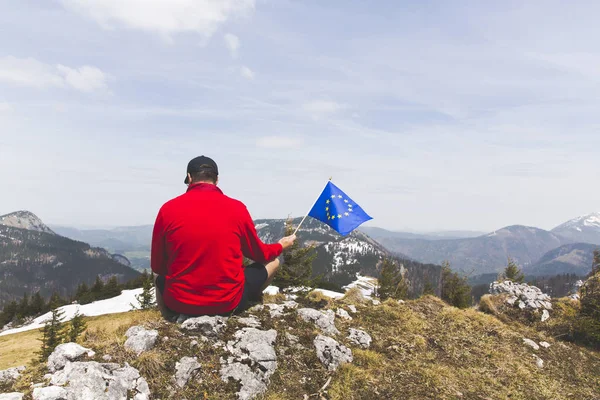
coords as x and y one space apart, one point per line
57 263
568 248
34 258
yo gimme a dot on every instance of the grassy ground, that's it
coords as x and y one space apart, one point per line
19 349
422 349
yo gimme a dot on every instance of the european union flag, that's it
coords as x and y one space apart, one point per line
337 210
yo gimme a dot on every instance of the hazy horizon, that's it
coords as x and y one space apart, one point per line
432 116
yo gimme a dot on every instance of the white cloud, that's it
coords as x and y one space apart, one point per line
33 73
85 79
319 108
246 72
162 16
233 43
28 72
278 142
5 107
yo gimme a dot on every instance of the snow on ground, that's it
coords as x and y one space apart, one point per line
366 285
272 290
127 301
330 293
122 303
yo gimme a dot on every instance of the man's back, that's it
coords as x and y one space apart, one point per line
199 242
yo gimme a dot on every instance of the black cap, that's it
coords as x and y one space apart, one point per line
199 164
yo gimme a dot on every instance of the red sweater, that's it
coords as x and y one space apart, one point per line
198 244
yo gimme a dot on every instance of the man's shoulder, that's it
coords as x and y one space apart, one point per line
174 203
234 203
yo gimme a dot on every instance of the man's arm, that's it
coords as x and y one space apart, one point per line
158 254
254 248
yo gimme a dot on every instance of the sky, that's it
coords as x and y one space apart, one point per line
430 115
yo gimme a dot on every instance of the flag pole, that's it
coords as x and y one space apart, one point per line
311 207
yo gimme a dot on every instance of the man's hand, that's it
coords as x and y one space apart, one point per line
287 241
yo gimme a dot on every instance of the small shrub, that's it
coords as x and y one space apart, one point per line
513 273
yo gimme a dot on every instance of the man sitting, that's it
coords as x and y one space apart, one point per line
199 243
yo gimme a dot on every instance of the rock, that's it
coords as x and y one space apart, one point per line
140 339
11 396
361 338
531 343
375 302
324 320
256 308
37 385
331 353
277 310
251 383
343 314
545 315
50 393
545 344
538 361
92 380
254 361
292 339
10 375
511 300
193 343
134 330
522 295
185 369
107 357
67 352
209 326
352 308
250 321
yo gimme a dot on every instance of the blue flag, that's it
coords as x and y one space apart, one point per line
338 210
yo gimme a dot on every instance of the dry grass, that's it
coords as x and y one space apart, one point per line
20 348
422 349
353 296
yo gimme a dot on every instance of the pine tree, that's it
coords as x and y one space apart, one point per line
391 282
52 333
111 289
596 263
296 270
8 313
37 304
54 301
23 310
428 289
512 272
76 327
97 289
455 289
146 298
588 320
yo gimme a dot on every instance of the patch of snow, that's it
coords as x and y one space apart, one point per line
366 284
260 226
330 293
272 290
122 303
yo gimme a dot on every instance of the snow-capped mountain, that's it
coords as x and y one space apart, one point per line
340 259
24 220
33 258
584 229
